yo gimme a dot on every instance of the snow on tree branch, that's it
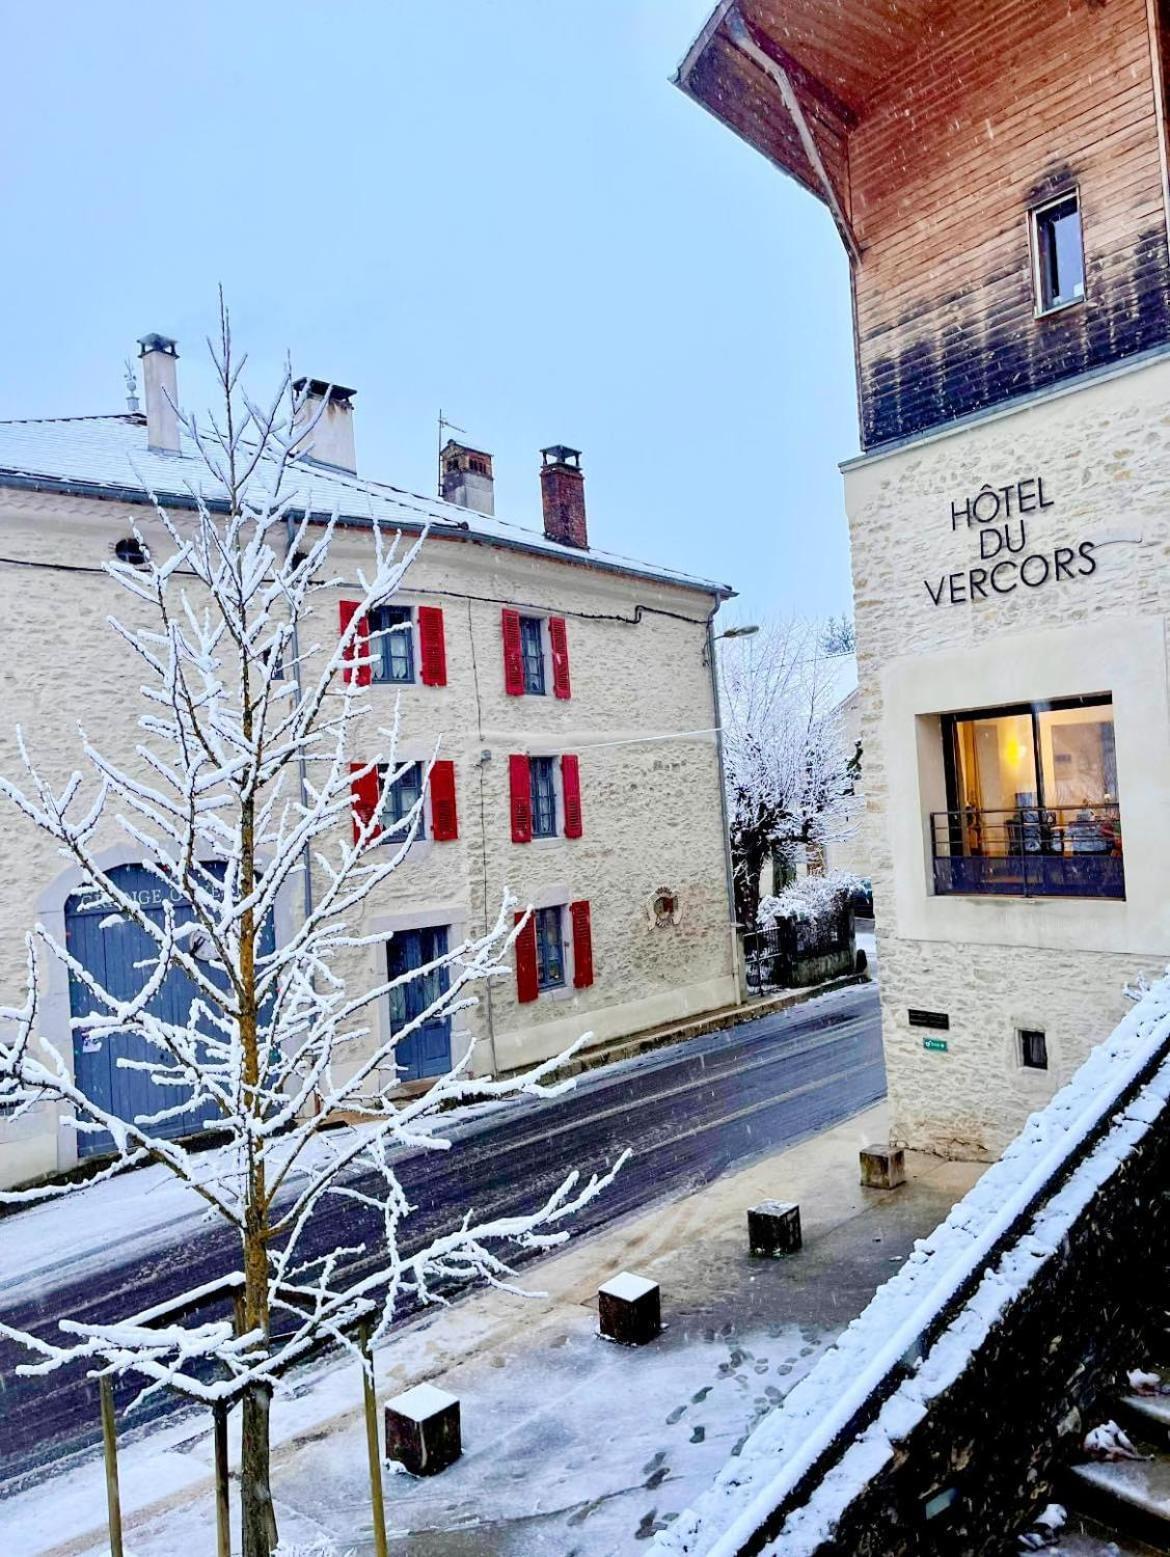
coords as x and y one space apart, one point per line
240 782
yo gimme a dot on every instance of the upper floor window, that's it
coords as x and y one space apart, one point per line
392 644
543 781
400 798
1058 253
1032 802
532 654
550 948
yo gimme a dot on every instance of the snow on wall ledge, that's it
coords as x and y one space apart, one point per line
840 1427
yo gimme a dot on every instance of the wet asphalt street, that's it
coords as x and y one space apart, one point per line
688 1113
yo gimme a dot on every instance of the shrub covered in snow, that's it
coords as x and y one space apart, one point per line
811 898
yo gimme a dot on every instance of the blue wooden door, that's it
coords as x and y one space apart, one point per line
427 1050
121 957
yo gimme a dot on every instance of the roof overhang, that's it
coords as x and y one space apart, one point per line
794 77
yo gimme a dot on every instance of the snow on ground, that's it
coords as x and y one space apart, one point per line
790 1441
59 1240
573 1447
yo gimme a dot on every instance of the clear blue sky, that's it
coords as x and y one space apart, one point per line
504 209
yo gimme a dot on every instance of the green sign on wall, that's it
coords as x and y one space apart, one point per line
935 1045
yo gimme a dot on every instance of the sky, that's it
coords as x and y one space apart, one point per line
505 210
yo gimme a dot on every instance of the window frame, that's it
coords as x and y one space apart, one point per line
1023 1034
542 764
539 624
553 913
392 829
1042 309
380 660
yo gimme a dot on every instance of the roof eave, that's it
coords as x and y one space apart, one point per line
446 530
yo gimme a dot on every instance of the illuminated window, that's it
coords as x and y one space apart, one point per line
1032 802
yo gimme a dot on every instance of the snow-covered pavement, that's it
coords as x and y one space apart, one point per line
572 1447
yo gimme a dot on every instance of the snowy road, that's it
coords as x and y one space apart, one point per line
688 1113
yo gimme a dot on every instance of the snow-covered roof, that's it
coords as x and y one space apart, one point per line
107 456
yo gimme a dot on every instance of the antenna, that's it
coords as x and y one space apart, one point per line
444 423
131 386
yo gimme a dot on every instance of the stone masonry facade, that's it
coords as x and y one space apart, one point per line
650 806
995 965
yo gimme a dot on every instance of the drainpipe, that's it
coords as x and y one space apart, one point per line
728 868
290 534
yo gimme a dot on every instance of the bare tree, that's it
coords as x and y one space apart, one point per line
789 770
241 776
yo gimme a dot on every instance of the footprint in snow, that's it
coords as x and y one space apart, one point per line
698 1434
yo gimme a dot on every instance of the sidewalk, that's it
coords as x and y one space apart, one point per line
573 1448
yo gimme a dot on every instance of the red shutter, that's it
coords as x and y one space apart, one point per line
582 945
571 790
558 639
444 817
432 646
513 657
358 647
365 791
527 978
521 784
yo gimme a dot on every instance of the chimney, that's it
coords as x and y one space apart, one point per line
562 489
330 442
160 387
466 477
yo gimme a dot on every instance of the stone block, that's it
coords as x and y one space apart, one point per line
423 1430
630 1309
883 1167
774 1229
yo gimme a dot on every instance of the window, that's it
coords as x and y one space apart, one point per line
399 800
1033 1049
1032 802
1058 254
543 781
532 653
131 551
392 645
550 949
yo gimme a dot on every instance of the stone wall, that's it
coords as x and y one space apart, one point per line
997 964
651 807
990 1446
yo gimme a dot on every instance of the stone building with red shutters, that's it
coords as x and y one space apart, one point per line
563 694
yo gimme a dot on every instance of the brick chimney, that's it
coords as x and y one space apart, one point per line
466 477
562 489
160 388
331 441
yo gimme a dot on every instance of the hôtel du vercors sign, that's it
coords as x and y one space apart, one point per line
1001 516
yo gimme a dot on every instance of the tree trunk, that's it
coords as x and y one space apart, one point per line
258 1517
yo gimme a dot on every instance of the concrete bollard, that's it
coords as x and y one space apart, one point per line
883 1167
630 1309
423 1430
774 1229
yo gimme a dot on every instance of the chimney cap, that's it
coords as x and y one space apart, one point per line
156 342
323 388
560 454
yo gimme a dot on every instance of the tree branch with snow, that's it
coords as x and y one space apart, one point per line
239 783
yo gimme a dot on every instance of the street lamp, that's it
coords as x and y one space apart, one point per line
747 631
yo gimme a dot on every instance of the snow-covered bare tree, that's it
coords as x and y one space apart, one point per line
241 777
789 766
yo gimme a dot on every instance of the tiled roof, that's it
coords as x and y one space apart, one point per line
108 455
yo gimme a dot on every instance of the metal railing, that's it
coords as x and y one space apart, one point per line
773 956
1033 851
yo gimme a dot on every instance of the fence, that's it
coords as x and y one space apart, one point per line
793 953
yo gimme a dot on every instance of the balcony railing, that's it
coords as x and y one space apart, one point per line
1033 851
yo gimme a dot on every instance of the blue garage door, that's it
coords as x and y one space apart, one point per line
121 957
427 1050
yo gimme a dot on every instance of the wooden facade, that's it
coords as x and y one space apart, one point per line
931 128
